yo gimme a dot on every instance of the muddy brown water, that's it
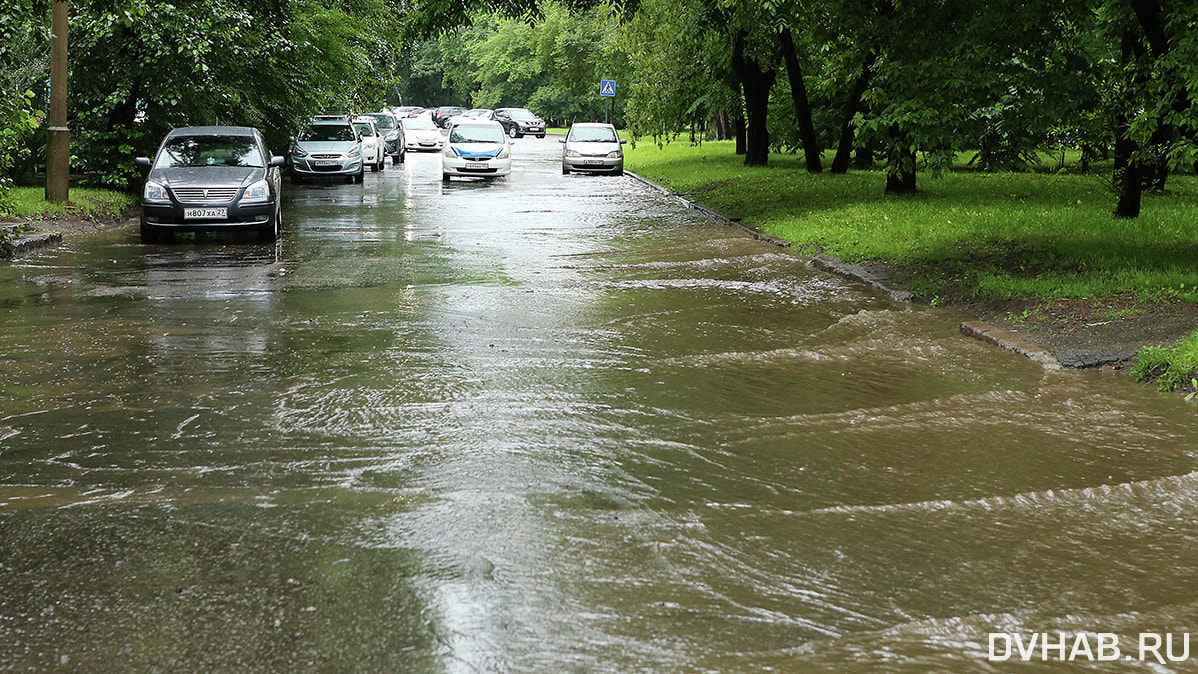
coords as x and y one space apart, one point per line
555 423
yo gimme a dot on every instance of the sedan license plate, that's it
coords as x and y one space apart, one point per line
592 162
476 166
325 162
205 213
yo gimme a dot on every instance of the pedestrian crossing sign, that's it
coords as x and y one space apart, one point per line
607 88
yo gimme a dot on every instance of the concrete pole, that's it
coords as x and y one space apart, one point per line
58 143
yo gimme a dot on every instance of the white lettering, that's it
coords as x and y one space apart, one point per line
1081 646
1006 654
1185 652
1108 646
1030 651
1059 646
1150 642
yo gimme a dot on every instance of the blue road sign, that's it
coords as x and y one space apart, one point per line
607 88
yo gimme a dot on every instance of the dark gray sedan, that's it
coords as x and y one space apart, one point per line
211 178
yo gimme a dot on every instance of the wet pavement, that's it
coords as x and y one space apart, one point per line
551 423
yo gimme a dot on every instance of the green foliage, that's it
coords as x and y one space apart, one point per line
17 120
140 68
552 66
1170 367
993 235
93 204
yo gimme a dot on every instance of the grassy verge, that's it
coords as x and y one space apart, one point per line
967 236
86 204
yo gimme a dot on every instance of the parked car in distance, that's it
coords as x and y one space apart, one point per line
476 113
373 150
478 149
327 147
593 148
443 114
519 122
420 133
393 140
211 178
407 111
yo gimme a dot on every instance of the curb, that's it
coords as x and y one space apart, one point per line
993 334
22 245
980 330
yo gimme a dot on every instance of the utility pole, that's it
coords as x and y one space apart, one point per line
58 142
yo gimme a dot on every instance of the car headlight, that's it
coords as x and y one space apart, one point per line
449 151
614 154
393 136
356 152
154 192
298 151
504 153
259 191
572 153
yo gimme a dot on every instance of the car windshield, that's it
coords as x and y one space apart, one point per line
384 122
592 134
364 128
328 132
467 133
521 113
418 123
190 151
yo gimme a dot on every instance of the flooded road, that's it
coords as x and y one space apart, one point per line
553 424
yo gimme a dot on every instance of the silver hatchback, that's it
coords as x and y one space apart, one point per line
593 148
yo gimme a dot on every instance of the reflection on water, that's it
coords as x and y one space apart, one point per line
550 424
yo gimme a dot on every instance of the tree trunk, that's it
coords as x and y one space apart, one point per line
741 137
1129 170
844 150
756 83
900 178
798 96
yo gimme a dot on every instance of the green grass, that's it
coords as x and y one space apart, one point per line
85 203
997 236
1042 236
1170 367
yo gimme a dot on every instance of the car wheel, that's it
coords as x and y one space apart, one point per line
565 171
269 233
540 135
513 131
444 177
296 179
150 234
619 172
403 156
374 167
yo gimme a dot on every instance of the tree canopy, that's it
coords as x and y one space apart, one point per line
915 83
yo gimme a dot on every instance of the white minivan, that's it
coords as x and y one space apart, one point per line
476 148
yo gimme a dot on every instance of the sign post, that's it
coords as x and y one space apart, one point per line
607 88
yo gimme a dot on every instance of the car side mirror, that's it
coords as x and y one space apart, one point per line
277 161
562 141
623 141
142 162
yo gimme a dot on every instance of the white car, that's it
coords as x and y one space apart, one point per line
420 133
477 149
374 152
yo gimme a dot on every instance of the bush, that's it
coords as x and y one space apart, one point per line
17 120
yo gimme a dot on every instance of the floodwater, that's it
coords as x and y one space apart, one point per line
554 424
